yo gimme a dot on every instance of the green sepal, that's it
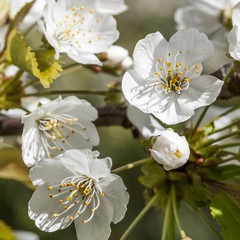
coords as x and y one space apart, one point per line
6 232
227 214
40 63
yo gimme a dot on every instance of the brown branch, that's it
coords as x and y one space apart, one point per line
108 115
232 86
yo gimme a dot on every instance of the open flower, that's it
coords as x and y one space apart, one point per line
77 29
77 186
234 35
166 80
57 126
170 149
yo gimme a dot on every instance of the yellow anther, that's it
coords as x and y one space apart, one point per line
155 84
99 37
180 63
169 89
159 59
166 62
170 81
68 198
159 75
156 73
82 7
180 73
177 65
75 14
176 69
69 119
61 185
71 218
72 131
173 84
84 221
98 20
61 201
61 150
84 129
63 122
78 213
179 76
51 154
90 196
53 133
177 154
90 41
91 11
180 51
162 86
63 141
88 139
92 210
71 124
86 203
66 208
186 68
79 46
51 196
169 54
197 71
74 8
50 188
67 17
196 66
161 68
166 85
61 130
102 194
186 79
75 195
65 184
75 202
54 215
59 190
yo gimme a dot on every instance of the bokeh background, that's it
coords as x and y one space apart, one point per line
142 18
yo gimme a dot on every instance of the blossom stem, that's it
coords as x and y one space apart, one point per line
140 215
226 127
208 223
131 165
228 75
174 204
167 220
199 121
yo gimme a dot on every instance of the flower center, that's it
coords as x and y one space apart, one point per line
76 195
73 30
177 154
173 76
57 132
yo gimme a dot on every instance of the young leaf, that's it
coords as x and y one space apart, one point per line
41 63
6 232
227 214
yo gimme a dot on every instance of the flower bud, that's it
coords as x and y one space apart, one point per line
170 149
115 55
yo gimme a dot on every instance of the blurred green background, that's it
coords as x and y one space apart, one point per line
142 18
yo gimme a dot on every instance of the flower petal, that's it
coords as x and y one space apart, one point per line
147 52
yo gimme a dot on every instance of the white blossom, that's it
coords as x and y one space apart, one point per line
57 126
79 187
25 235
170 149
77 29
234 35
166 79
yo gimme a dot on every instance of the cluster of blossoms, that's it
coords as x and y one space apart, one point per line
165 86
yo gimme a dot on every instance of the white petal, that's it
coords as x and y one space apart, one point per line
113 7
98 228
192 16
85 58
116 194
147 52
196 47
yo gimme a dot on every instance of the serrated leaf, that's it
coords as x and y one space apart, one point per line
153 175
227 214
40 63
6 232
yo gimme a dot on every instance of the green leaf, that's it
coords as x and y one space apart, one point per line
154 175
227 214
6 232
40 63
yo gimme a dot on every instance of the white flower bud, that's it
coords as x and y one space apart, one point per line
127 62
116 54
171 150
